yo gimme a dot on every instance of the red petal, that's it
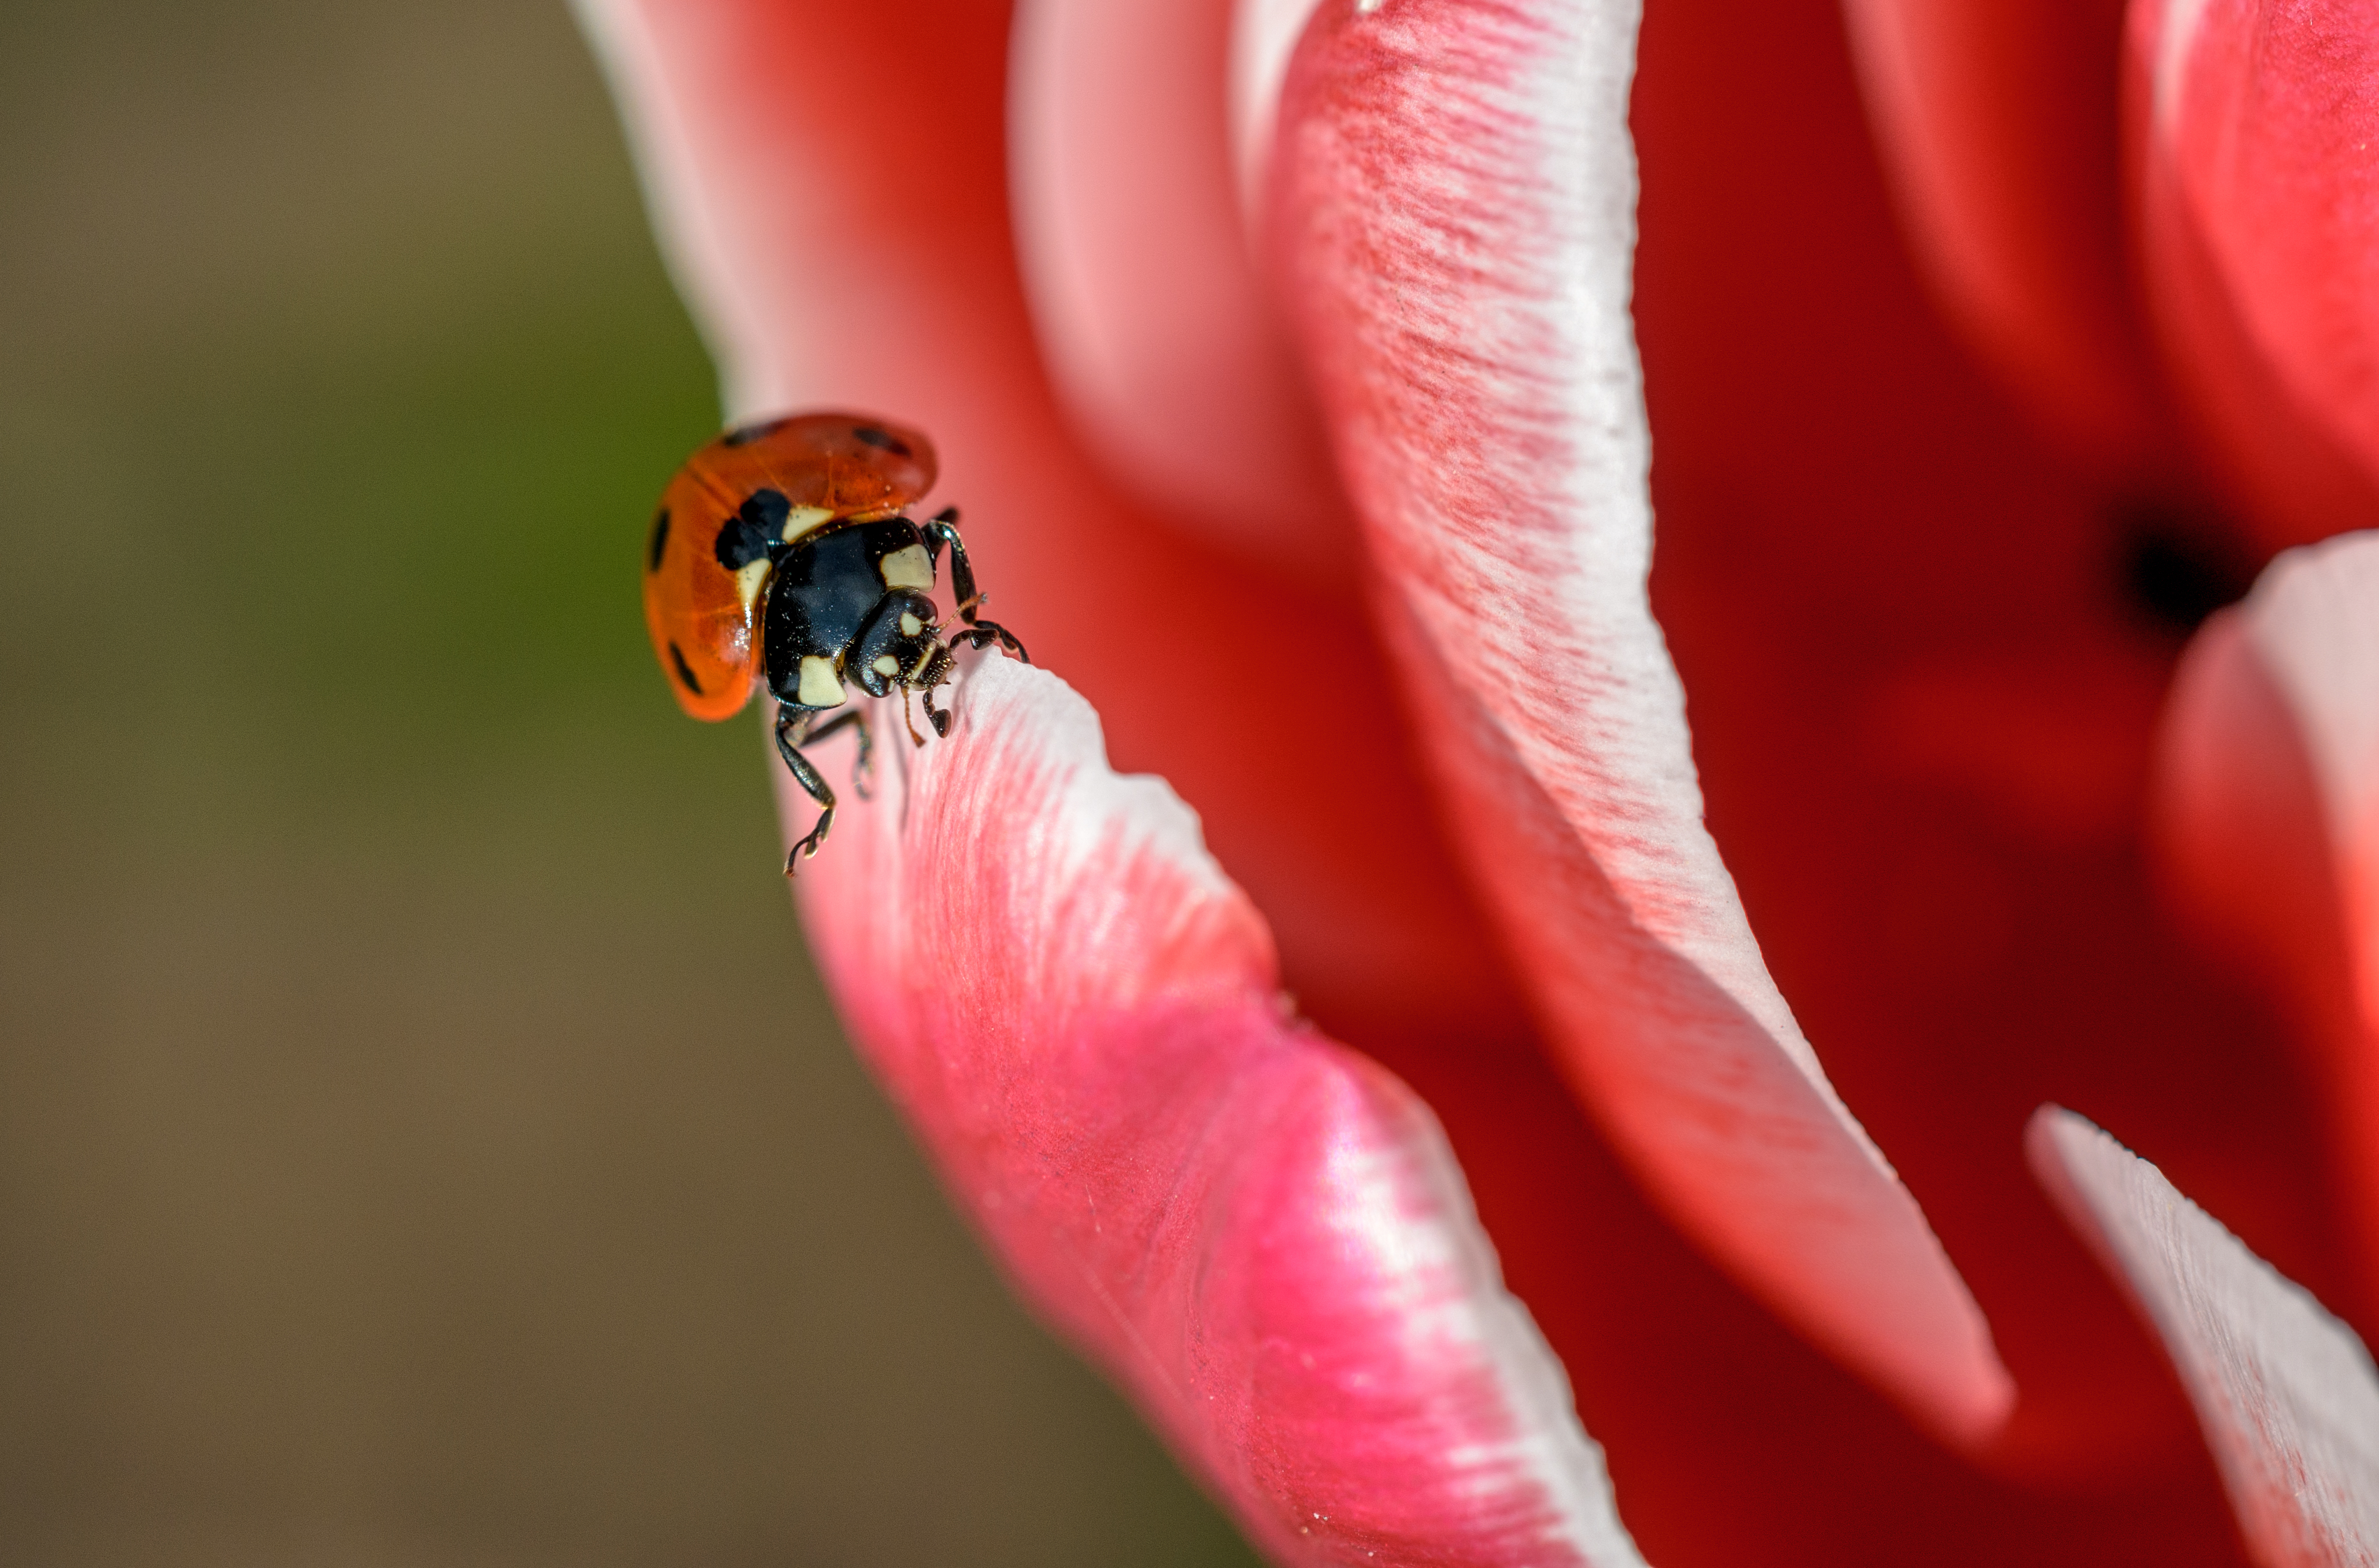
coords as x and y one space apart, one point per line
1259 1234
1143 287
2286 1394
2270 803
2259 202
1997 121
1924 684
1452 212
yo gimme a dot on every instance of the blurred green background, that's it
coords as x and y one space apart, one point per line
422 1140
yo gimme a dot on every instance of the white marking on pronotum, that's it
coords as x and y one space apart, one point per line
908 567
801 520
910 624
750 580
820 687
887 666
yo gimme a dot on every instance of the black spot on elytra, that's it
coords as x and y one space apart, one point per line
661 540
684 670
756 526
883 440
745 435
2178 569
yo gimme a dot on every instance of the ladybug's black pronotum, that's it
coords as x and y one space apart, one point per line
779 552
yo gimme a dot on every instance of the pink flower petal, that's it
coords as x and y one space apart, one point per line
1144 290
1452 220
2286 1394
2259 205
860 256
1997 121
1261 1234
2268 803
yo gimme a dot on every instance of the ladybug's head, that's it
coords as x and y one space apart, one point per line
900 645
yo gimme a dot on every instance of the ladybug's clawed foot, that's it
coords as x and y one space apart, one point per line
793 728
936 716
982 634
812 844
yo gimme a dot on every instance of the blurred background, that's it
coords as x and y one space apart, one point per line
422 1140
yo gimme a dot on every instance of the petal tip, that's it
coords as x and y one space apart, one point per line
2286 1394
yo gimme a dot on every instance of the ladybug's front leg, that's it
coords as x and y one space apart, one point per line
792 729
942 529
863 771
982 634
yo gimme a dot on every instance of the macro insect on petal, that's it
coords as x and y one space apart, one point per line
782 552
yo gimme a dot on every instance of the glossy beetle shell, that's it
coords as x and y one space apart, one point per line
704 616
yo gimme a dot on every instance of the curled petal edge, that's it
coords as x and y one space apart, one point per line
2266 807
1997 122
1144 294
1261 1234
1451 231
2249 122
2285 1393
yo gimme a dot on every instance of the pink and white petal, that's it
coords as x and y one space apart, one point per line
2267 808
1144 293
2285 1393
2314 622
2259 201
1997 122
852 248
1259 1234
1452 225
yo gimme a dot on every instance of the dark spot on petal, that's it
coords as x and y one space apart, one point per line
884 440
745 435
684 670
2178 569
661 540
759 524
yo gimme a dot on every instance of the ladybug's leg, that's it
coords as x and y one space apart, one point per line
942 529
863 772
982 634
931 671
792 729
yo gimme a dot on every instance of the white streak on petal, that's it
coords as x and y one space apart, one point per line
1454 198
2176 32
2315 616
2286 1394
1259 1234
1263 35
1144 294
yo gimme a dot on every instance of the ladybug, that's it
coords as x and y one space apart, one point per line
780 552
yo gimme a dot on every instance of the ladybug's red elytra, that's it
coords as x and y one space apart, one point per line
780 551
